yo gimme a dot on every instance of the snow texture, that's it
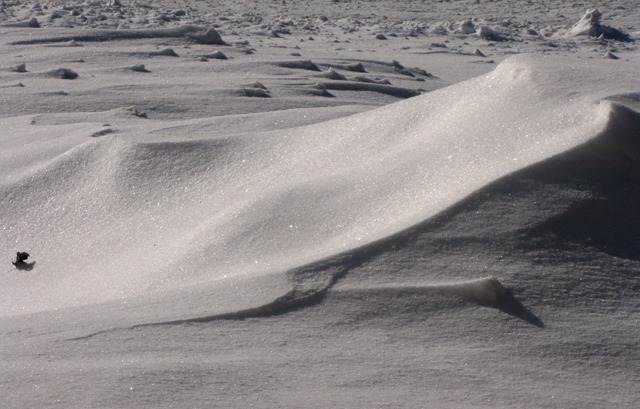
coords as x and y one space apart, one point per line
294 217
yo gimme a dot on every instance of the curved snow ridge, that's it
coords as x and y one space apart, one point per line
618 146
203 35
399 302
612 153
349 304
117 170
398 92
486 292
158 216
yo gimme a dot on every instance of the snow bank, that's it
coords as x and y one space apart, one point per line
117 216
202 35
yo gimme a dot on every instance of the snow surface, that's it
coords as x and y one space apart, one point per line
325 218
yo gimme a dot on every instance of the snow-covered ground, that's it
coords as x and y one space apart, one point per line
320 204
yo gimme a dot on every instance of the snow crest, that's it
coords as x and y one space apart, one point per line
143 211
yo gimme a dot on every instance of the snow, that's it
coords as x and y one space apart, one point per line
321 219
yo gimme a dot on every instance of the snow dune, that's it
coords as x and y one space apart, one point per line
232 224
201 35
115 207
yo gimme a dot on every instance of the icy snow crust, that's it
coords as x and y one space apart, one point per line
116 217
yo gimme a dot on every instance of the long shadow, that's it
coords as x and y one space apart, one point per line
510 305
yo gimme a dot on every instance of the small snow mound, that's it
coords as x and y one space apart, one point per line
589 25
333 75
138 68
217 55
256 93
354 67
126 112
486 291
466 27
167 52
18 68
611 56
489 34
62 73
211 36
301 65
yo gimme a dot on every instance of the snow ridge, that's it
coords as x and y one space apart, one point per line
190 213
202 35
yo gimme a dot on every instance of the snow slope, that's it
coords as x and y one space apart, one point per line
152 216
255 232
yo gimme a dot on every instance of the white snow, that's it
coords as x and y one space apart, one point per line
448 228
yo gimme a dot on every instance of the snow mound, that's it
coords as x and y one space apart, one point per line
201 35
590 25
142 211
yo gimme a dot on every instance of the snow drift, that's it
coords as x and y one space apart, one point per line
202 35
590 25
140 211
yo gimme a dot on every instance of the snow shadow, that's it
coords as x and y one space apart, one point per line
25 266
511 306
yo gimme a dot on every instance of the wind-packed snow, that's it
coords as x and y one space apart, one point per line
321 218
150 216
